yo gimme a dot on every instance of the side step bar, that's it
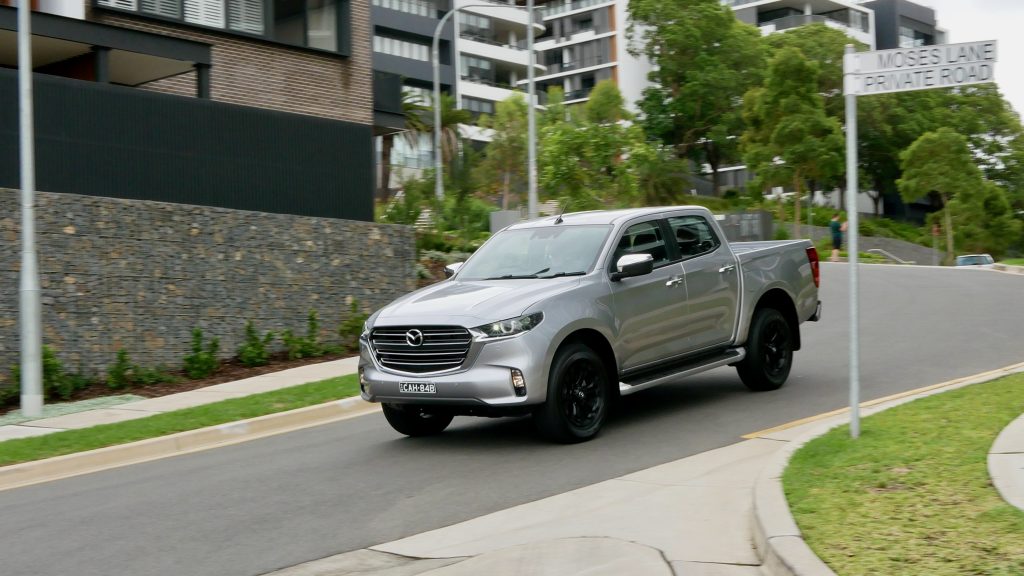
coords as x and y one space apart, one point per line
679 371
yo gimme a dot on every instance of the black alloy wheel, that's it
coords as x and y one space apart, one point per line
578 396
769 351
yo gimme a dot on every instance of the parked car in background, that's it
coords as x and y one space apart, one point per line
557 317
975 260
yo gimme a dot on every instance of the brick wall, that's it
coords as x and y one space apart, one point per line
140 275
273 76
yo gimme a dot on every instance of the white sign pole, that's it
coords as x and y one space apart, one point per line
851 249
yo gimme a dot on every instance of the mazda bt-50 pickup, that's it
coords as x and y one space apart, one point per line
557 317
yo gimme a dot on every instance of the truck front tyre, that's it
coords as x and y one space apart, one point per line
416 420
769 351
578 397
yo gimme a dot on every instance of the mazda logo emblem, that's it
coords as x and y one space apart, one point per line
414 337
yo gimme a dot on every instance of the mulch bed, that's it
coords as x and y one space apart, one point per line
229 371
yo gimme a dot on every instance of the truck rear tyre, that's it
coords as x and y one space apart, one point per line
416 420
769 351
578 397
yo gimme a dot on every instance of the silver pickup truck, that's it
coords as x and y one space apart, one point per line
558 317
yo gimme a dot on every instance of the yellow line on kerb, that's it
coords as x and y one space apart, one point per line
877 401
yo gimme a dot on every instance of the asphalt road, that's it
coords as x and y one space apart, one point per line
272 503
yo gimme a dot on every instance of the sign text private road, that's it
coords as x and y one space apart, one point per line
919 68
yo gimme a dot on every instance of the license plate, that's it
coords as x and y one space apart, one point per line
417 388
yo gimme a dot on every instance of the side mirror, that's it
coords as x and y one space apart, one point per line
632 265
452 268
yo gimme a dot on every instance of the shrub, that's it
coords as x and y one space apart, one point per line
307 346
120 374
781 233
203 360
151 376
352 326
56 382
253 350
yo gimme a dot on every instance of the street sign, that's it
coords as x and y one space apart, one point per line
919 68
880 72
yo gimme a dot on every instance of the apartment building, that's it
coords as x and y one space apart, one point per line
903 24
781 15
585 42
482 54
265 105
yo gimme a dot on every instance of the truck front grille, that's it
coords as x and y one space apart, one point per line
420 349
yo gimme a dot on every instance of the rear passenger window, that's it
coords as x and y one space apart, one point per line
694 236
645 238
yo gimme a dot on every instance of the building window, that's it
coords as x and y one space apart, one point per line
402 48
417 7
318 24
910 38
474 68
477 106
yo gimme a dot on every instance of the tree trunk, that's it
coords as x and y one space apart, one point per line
797 192
505 190
387 143
948 218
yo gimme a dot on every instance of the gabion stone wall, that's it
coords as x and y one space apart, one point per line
140 275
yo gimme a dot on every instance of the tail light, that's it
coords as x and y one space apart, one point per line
812 257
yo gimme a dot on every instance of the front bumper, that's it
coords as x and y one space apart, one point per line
484 379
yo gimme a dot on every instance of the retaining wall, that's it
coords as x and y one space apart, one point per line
139 275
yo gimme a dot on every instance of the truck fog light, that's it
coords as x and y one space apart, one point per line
362 380
518 382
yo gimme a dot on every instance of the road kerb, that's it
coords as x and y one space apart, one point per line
776 535
28 473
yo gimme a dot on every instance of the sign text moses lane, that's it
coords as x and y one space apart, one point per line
947 55
906 69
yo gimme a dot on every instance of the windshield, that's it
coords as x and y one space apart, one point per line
972 260
547 252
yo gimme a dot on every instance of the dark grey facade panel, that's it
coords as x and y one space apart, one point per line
104 140
412 69
890 13
109 36
409 23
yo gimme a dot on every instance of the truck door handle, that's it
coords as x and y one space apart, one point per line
674 281
728 268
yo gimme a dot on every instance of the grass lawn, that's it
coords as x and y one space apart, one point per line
59 443
913 494
1013 261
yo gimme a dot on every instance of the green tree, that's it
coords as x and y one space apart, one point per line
414 112
790 139
506 153
939 163
984 220
588 163
704 61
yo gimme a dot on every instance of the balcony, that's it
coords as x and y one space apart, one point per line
552 10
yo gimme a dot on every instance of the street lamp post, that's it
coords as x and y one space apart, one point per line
29 309
531 97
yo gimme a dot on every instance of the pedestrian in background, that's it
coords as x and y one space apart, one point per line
837 227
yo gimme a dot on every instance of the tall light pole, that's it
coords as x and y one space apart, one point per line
31 341
530 95
531 117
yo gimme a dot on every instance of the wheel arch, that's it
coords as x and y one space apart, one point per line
597 342
780 300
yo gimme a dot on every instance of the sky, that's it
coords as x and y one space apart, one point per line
1001 20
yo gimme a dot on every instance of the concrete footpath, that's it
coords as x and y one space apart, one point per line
719 513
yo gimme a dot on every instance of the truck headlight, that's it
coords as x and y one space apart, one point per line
510 327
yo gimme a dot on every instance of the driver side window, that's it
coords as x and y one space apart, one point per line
693 235
643 238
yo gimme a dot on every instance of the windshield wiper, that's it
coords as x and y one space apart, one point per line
560 274
518 276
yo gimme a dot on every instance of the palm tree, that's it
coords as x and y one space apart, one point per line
451 117
414 111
